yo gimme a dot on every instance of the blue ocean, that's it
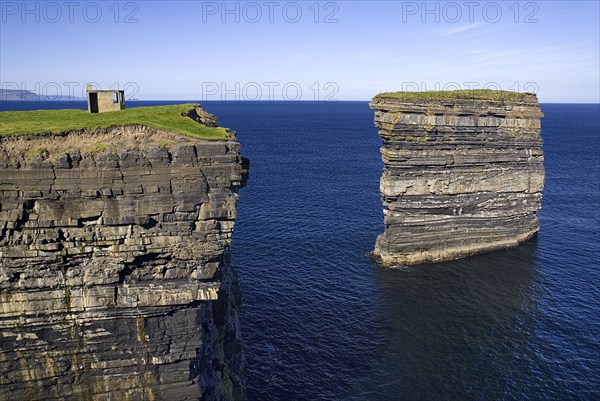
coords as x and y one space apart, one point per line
321 321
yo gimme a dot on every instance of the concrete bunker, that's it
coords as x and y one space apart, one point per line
100 101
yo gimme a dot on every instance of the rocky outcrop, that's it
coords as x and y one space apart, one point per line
463 174
114 274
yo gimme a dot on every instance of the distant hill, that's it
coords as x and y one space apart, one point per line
25 95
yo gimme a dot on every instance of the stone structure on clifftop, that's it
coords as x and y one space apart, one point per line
463 173
101 101
115 282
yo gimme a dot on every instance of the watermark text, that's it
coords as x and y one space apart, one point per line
269 91
253 12
69 11
530 87
470 11
48 91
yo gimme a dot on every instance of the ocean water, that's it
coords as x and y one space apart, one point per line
321 321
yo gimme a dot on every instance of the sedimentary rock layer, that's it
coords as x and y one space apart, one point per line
114 274
461 176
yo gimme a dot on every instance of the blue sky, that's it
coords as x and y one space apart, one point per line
264 50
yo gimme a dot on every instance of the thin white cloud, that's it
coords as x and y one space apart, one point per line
461 28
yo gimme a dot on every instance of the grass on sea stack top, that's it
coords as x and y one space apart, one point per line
456 95
170 118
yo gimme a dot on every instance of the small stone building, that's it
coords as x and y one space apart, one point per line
100 101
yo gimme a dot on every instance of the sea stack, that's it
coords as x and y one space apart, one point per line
463 173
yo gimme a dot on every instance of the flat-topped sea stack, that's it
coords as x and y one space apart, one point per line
463 173
115 281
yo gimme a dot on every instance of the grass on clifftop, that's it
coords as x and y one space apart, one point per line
170 118
474 94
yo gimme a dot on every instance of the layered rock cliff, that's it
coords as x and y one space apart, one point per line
114 274
463 173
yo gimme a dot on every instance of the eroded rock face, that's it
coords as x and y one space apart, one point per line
114 274
460 177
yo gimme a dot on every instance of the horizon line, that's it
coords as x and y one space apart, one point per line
249 101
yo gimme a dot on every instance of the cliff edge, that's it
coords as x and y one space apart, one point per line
115 280
463 173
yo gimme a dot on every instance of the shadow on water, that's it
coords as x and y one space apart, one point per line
458 330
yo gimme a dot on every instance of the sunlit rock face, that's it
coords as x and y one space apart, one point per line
461 176
114 271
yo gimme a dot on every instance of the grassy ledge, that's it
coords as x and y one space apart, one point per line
172 118
457 95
